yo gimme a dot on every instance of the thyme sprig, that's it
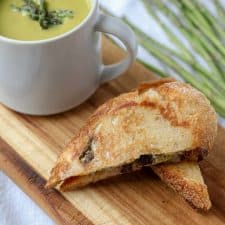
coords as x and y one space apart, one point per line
38 11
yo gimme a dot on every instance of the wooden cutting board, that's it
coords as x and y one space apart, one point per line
29 147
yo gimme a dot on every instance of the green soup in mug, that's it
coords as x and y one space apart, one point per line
15 25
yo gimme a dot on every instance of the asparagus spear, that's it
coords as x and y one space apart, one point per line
220 11
211 19
200 45
214 54
173 38
194 17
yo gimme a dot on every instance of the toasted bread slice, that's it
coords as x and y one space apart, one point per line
163 121
186 179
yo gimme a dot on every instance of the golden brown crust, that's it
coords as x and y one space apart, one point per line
154 84
191 186
167 108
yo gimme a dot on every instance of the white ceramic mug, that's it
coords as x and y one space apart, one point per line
54 75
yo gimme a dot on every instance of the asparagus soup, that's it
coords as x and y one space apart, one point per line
30 20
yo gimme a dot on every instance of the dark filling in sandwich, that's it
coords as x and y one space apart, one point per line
143 161
88 154
152 159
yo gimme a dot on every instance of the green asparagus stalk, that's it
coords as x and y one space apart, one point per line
214 53
200 45
211 19
173 38
220 10
202 26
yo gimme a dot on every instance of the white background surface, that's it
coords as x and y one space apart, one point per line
16 208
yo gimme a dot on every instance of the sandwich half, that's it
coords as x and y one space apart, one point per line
186 179
160 122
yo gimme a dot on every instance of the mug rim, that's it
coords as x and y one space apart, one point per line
58 37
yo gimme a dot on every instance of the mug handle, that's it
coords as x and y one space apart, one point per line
114 26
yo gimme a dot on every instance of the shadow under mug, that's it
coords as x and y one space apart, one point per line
54 75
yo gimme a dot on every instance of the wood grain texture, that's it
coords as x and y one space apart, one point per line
61 210
131 199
